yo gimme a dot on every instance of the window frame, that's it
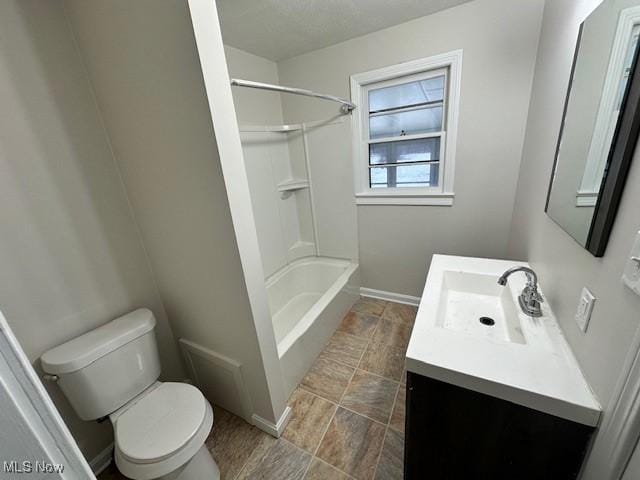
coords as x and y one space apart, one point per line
397 74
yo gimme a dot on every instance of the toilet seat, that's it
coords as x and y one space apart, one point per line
162 431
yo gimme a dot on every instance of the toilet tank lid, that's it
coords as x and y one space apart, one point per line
86 349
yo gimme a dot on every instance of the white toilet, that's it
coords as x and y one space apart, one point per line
159 428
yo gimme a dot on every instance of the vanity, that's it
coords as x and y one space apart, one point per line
492 393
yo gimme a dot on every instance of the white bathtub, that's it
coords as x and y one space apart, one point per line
308 298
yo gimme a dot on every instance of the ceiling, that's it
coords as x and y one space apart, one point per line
281 29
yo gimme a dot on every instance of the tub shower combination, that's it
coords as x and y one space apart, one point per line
308 298
308 293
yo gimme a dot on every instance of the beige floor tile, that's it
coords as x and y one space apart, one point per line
231 442
310 416
359 324
257 455
320 470
400 313
391 464
384 360
392 333
370 395
345 348
352 444
398 413
283 461
372 306
328 379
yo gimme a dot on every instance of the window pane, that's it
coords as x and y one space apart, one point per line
404 176
419 150
412 93
424 120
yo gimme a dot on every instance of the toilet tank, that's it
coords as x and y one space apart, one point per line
105 368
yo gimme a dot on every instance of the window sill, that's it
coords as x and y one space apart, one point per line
430 199
586 198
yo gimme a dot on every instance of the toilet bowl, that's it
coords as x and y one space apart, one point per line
161 435
159 428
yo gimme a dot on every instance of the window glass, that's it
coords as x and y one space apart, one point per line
423 120
422 175
419 150
407 94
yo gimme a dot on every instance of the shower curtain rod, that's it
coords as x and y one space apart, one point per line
347 106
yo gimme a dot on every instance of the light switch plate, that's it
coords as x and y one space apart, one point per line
631 275
585 307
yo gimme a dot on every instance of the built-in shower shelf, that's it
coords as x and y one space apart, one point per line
293 184
271 128
287 187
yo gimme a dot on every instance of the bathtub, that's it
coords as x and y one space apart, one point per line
308 299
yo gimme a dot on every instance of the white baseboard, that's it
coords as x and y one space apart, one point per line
275 430
390 296
101 461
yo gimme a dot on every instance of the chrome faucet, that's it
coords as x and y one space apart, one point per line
530 299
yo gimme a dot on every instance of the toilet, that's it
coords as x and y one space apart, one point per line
159 428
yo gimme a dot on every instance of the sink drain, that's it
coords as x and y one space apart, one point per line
488 321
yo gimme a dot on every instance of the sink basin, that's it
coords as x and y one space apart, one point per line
475 304
471 332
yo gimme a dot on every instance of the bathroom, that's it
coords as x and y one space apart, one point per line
207 188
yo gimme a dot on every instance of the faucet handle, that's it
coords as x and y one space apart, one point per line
537 296
531 294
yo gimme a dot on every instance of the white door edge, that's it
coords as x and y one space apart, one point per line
40 425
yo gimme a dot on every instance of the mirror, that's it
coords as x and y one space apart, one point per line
600 125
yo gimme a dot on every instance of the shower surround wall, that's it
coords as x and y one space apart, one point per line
274 160
334 214
283 217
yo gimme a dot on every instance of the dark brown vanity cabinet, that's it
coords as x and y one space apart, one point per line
455 433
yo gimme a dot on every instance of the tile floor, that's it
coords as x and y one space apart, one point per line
347 414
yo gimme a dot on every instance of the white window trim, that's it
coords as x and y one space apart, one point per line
442 195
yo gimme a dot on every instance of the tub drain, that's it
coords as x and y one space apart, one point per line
488 321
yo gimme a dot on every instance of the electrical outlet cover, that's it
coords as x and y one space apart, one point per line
631 275
585 307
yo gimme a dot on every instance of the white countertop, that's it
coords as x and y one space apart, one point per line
540 373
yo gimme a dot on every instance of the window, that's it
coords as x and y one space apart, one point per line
404 132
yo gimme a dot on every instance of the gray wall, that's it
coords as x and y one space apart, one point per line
70 251
396 242
143 62
254 106
564 267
